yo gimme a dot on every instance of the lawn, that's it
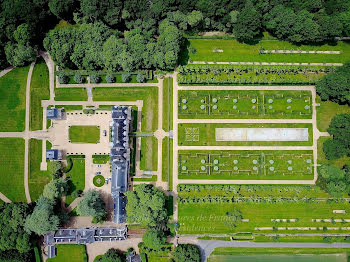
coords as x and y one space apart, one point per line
39 90
149 95
168 104
321 158
71 253
228 165
206 208
149 153
100 159
326 111
37 179
167 165
244 104
70 94
77 178
12 168
12 100
194 134
226 254
233 51
84 134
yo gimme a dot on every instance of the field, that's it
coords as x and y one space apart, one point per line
290 165
71 253
39 90
149 153
194 134
326 111
70 94
12 100
149 95
234 51
166 104
37 179
77 178
226 254
84 134
209 208
12 168
244 104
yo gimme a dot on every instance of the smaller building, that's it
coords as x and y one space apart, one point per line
53 154
54 113
51 251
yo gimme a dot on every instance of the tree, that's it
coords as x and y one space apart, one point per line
19 55
112 255
63 9
248 25
12 233
78 78
55 189
334 149
23 34
95 79
110 78
335 179
187 253
140 78
146 206
55 167
43 219
194 18
63 79
126 78
112 49
154 239
92 205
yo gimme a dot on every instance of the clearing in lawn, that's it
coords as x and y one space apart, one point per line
12 100
233 51
291 165
148 94
76 178
39 90
194 134
244 104
84 134
12 168
71 253
37 179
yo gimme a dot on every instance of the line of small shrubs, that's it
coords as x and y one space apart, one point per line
95 78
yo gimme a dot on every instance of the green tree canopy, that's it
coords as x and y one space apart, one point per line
146 206
55 188
112 255
92 205
187 253
154 239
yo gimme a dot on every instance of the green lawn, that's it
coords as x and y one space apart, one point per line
244 104
71 253
166 166
37 179
70 107
321 158
326 111
258 165
77 178
12 168
193 134
100 159
13 100
39 90
70 94
233 51
84 134
149 153
166 104
149 95
226 254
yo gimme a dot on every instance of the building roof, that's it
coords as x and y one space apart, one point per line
51 113
52 154
51 251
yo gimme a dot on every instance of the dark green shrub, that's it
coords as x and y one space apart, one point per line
79 78
63 79
110 78
140 78
126 78
95 79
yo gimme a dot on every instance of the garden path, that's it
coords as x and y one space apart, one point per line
50 65
5 71
4 198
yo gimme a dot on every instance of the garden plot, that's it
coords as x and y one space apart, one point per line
247 164
244 104
206 134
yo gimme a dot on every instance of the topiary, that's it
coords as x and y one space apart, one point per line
140 78
126 78
95 79
110 78
63 79
79 79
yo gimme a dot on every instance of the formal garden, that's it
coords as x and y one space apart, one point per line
198 134
244 104
252 164
84 134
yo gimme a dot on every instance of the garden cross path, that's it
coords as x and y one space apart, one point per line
265 63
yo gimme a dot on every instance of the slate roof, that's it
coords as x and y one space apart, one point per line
51 113
53 154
